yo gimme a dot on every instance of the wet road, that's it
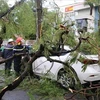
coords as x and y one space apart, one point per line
16 95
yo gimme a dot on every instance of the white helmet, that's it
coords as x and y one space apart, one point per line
10 40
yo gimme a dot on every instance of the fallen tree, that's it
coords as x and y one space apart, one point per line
27 63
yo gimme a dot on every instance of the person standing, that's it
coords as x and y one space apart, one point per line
18 48
7 53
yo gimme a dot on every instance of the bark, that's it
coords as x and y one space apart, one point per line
39 17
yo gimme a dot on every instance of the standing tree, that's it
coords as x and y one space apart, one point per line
39 17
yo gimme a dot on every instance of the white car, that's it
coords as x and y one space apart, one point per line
56 71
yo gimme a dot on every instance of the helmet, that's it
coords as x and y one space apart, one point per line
10 40
19 39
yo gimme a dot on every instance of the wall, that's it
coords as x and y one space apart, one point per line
96 19
85 13
81 11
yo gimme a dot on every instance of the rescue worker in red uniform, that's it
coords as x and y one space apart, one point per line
18 48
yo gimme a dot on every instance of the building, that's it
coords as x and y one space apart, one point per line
80 13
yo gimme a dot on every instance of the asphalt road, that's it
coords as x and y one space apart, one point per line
1 66
16 95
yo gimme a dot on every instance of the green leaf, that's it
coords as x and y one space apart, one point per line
84 67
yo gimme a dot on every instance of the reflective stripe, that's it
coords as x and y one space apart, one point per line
8 48
19 49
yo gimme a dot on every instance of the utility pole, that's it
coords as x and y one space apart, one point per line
39 17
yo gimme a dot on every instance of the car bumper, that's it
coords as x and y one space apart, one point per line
89 77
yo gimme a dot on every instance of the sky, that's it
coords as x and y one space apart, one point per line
12 2
65 2
61 3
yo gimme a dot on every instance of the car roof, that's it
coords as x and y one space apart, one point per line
67 47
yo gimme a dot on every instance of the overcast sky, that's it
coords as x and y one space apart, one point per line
65 2
61 3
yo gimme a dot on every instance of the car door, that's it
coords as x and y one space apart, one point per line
42 66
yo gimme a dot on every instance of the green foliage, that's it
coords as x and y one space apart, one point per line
25 22
84 67
50 20
43 89
3 6
91 45
74 57
70 39
20 21
96 2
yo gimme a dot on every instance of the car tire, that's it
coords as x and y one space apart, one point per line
65 79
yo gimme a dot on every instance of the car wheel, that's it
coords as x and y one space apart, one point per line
65 79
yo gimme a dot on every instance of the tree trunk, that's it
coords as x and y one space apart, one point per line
39 18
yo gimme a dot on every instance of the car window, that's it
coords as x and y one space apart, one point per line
58 52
